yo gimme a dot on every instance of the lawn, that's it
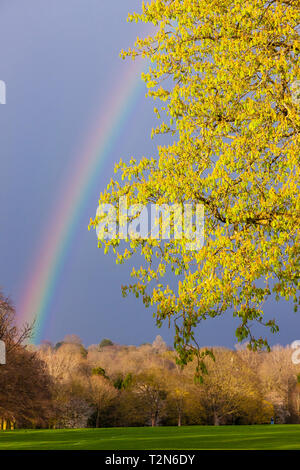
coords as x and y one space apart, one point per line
187 437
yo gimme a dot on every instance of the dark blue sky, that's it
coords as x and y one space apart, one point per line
59 60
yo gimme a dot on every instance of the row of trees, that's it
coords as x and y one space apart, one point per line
115 385
67 385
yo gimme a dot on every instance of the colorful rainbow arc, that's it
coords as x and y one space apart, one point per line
42 282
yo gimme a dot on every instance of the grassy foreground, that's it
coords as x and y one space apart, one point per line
186 437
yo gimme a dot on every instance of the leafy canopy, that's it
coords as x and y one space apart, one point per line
221 71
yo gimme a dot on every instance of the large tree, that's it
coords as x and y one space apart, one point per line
223 72
25 385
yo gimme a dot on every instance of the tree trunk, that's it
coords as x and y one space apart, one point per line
98 417
216 419
179 419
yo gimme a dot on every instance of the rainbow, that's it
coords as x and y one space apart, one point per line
45 272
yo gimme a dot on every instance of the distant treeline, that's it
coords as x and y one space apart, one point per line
69 386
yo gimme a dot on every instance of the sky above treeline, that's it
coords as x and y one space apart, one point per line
60 62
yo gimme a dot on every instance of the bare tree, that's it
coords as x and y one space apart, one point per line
149 388
102 394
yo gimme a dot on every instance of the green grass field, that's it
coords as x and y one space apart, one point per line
187 437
